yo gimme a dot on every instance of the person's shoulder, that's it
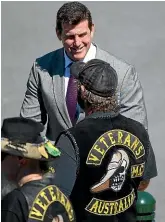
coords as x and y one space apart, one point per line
13 199
49 55
15 204
119 64
112 56
132 124
47 60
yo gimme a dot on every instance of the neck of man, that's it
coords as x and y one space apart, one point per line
29 178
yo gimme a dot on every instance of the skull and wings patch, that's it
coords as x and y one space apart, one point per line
115 158
115 174
117 167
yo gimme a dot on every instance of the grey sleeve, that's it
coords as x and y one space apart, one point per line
33 106
150 167
132 98
65 166
133 106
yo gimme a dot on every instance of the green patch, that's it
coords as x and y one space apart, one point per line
52 150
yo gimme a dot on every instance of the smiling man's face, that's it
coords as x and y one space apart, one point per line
76 39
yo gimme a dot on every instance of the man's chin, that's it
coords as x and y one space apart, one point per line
78 56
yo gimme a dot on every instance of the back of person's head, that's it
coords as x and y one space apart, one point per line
99 81
73 13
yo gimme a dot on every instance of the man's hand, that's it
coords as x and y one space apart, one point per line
143 185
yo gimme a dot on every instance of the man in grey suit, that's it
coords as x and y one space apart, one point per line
47 87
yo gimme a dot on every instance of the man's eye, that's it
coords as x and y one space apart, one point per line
70 37
82 35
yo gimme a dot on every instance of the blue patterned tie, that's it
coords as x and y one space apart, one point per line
71 97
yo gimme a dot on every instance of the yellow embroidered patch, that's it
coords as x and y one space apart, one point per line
51 170
109 208
45 198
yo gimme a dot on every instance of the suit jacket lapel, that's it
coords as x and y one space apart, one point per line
59 86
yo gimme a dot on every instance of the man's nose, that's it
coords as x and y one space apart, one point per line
77 41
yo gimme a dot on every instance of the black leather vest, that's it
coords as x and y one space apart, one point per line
46 202
112 155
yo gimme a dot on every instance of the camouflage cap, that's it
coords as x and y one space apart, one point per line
21 137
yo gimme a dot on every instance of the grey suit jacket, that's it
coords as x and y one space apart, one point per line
45 99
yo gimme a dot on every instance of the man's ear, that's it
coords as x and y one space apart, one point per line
92 30
143 185
23 161
58 34
82 90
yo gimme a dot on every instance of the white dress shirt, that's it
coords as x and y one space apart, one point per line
91 54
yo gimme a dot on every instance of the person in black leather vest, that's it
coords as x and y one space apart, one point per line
24 160
108 151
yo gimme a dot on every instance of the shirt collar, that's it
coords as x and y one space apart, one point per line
100 114
67 60
90 55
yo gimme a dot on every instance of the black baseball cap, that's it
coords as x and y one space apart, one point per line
97 76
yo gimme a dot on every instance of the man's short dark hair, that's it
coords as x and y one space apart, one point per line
98 103
73 13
